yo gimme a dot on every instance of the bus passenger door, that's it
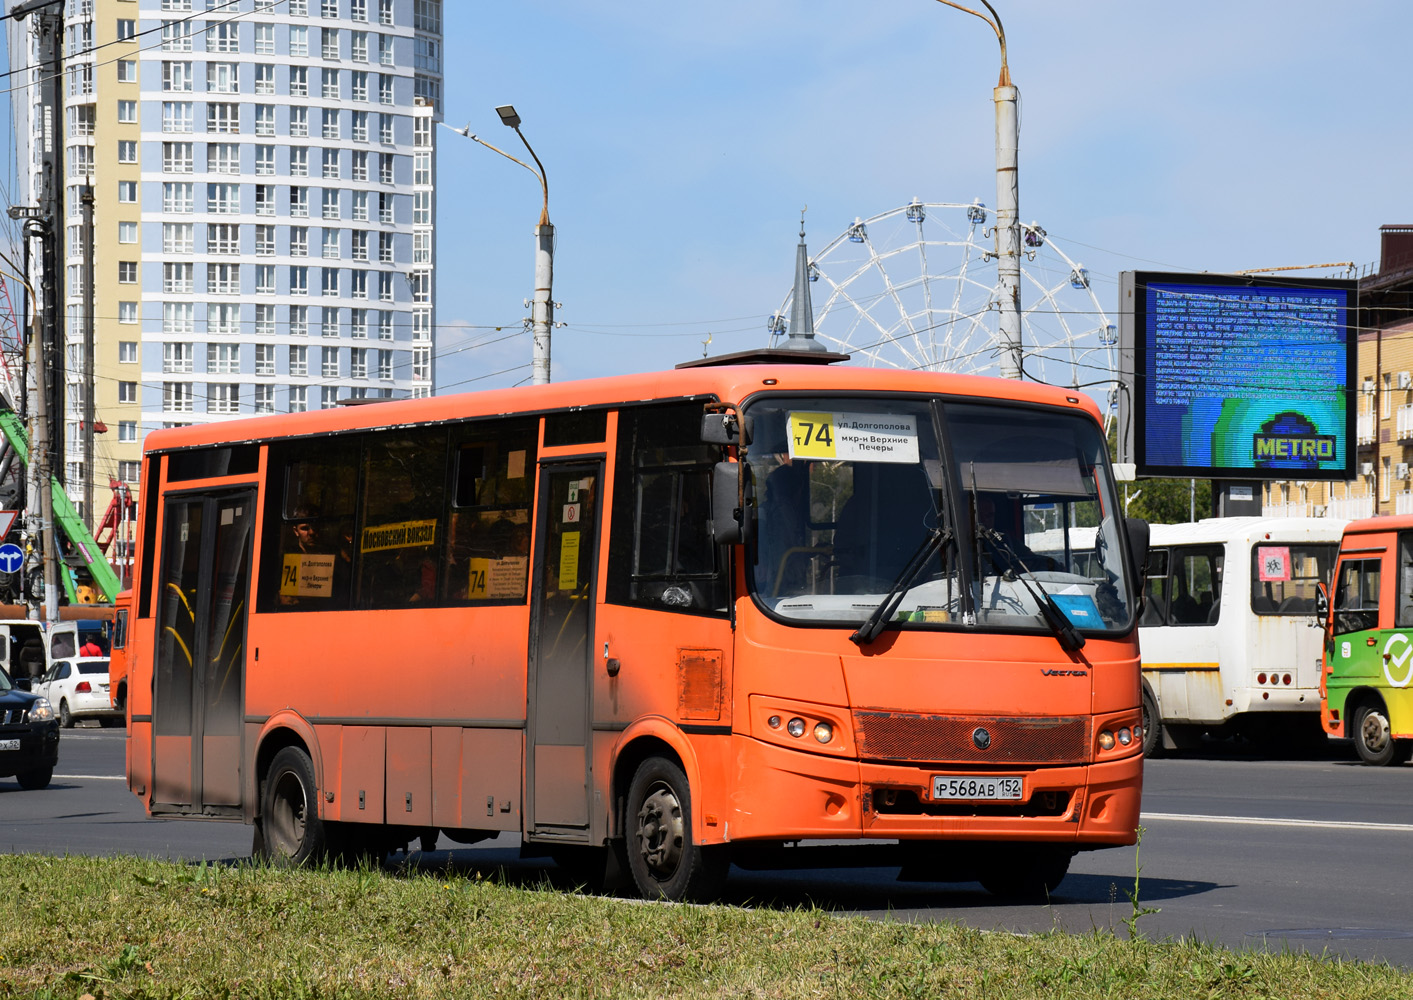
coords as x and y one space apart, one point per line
561 626
199 688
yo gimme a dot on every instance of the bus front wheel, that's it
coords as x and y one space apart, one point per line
1152 726
291 831
1373 738
665 860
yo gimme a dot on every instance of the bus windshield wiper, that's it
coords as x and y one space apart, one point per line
869 630
1070 639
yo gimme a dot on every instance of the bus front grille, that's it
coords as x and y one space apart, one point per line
900 736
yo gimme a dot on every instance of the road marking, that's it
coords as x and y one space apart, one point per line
1318 824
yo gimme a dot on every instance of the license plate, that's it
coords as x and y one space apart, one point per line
956 787
9 744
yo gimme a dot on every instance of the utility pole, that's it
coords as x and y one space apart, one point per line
86 199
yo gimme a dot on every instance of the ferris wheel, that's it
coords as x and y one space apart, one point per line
916 287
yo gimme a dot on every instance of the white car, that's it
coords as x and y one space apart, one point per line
78 689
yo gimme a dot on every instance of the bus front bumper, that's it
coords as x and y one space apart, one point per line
788 795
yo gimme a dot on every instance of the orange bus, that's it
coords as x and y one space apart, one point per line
665 621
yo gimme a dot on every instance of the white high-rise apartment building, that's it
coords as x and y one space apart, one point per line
263 175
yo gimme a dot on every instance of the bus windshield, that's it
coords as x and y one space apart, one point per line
977 512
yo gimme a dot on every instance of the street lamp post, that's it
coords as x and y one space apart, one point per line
542 316
1008 237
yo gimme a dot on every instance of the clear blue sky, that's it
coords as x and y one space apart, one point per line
682 140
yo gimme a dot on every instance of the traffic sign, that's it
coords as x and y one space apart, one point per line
12 557
7 521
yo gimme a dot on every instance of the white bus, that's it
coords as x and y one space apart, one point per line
1229 637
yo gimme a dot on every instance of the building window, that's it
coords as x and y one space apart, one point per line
422 208
358 10
427 16
298 361
178 197
385 207
264 359
358 362
127 192
360 126
264 399
421 282
298 121
176 116
223 318
222 359
299 201
329 365
264 40
127 392
127 272
127 114
422 247
176 358
223 398
299 241
298 281
329 87
360 85
127 71
360 244
385 129
298 398
127 432
331 203
223 37
264 155
385 367
421 364
127 313
328 397
264 321
385 50
129 470
222 118
330 283
331 164
358 51
299 81
223 237
224 78
358 324
177 157
264 119
178 318
329 322
360 284
223 279
385 88
176 77
385 11
299 161
127 150
127 29
175 36
177 237
299 321
223 157
264 241
265 78
385 168
360 206
427 55
127 232
331 243
298 40
264 199
385 325
329 43
223 199
385 247
331 123
264 279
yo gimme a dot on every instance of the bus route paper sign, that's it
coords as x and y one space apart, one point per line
498 579
569 560
854 437
406 534
307 575
1273 563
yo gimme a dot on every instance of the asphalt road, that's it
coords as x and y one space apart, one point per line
1308 854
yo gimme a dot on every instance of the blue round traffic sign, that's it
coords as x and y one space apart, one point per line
12 557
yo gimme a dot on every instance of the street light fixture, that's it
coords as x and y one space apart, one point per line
542 316
1008 230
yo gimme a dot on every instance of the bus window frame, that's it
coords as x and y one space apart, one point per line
1359 620
1332 557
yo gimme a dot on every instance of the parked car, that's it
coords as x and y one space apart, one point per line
29 736
78 689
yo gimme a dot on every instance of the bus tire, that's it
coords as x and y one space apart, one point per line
665 861
1373 738
1033 877
291 832
1152 726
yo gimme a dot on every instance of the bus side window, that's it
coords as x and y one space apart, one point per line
1356 603
661 552
1404 611
1196 585
1155 588
311 495
488 534
401 524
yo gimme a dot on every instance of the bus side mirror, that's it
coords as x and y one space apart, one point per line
720 428
1322 602
731 518
1137 547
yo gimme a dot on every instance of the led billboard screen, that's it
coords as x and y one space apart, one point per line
1238 377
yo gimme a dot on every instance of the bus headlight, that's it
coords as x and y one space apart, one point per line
1106 740
796 727
773 722
823 732
1125 737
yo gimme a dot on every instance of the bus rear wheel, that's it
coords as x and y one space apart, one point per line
291 831
1373 738
665 860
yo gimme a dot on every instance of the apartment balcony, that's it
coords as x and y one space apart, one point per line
1350 508
1288 510
1367 430
1405 423
1403 503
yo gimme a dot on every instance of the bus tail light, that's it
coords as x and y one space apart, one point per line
1261 678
